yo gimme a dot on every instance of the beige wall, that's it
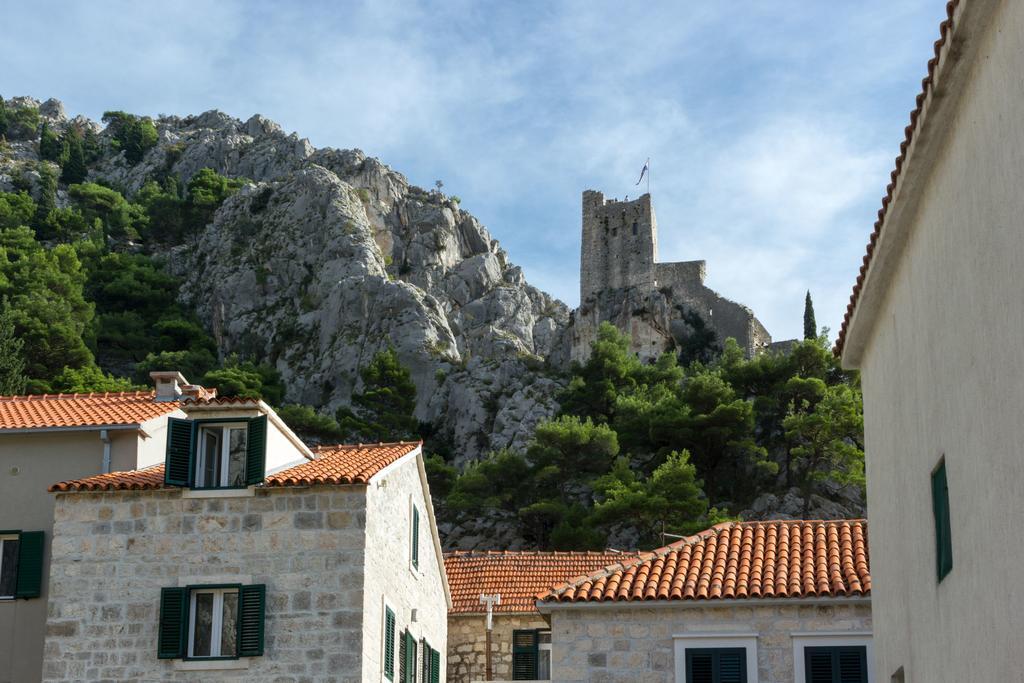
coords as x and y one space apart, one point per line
390 576
941 372
467 644
630 644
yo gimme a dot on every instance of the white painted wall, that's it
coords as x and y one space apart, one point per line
942 376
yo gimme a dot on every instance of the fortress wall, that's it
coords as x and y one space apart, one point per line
619 246
681 272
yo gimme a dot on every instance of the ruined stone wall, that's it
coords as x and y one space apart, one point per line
619 246
467 640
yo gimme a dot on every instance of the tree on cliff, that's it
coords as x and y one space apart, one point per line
12 363
810 326
383 409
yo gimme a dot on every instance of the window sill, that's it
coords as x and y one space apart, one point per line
211 664
247 492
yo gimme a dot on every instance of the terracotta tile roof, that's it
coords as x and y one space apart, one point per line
927 85
81 410
333 465
518 576
774 559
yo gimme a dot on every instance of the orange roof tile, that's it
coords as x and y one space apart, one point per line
518 576
333 465
927 85
81 410
774 559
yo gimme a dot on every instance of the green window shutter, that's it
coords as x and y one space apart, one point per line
410 652
425 662
29 581
853 665
256 450
403 660
181 437
173 623
389 644
943 535
524 655
415 537
252 609
845 664
716 665
435 667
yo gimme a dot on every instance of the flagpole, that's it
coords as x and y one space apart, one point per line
648 175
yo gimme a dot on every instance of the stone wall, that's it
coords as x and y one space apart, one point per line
625 645
619 245
112 553
467 644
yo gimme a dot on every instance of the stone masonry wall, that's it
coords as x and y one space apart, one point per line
114 551
632 645
619 245
467 644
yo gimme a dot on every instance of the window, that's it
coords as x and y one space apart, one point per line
943 535
716 665
431 663
407 658
837 664
214 454
211 622
531 655
389 644
415 547
21 564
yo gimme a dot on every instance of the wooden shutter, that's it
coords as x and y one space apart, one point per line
524 655
415 537
181 437
403 669
173 623
435 667
716 665
29 581
410 653
845 664
943 535
425 664
251 615
389 644
700 666
256 450
853 665
732 665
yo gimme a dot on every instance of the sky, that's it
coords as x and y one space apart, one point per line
771 126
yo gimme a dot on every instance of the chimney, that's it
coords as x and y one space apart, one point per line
197 392
169 384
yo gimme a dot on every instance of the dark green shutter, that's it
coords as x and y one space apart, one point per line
403 662
943 535
180 452
29 582
415 537
845 664
410 653
435 667
716 665
524 655
389 644
256 450
173 623
425 665
252 602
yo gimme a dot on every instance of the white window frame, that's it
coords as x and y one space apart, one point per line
413 511
223 428
802 640
697 641
544 647
9 537
217 626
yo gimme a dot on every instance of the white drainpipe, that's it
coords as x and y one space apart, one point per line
105 438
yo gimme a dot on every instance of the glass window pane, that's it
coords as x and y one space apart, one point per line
8 566
211 458
229 625
203 635
236 457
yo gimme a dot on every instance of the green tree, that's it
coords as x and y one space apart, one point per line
47 196
73 168
825 440
12 361
133 135
309 424
207 190
810 326
16 209
701 343
383 409
246 379
500 481
189 362
86 379
18 123
121 219
50 147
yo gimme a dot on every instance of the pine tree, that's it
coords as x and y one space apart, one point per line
74 169
383 410
50 146
12 363
47 197
810 326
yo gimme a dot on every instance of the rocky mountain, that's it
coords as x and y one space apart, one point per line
329 256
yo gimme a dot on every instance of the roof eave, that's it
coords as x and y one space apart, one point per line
553 606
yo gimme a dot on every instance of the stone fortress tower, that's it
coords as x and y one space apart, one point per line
622 282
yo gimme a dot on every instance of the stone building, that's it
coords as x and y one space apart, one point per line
246 556
743 602
622 282
520 635
48 437
935 327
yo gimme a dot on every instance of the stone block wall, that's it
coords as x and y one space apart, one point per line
631 645
467 644
113 552
619 245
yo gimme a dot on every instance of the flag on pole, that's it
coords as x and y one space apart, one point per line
644 170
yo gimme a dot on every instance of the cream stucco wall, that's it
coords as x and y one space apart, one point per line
390 576
941 371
